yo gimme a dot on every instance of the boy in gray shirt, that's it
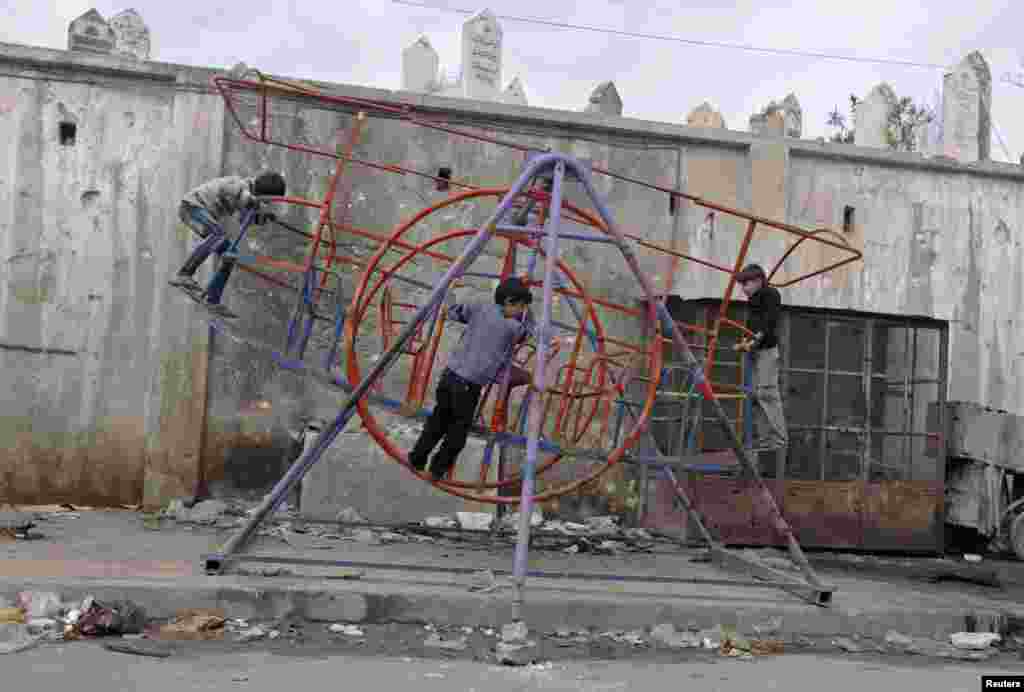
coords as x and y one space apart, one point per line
481 356
203 209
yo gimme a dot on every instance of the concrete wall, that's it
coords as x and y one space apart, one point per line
90 236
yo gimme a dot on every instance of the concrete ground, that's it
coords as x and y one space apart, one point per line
119 554
89 668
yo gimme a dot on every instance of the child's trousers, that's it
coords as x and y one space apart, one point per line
450 421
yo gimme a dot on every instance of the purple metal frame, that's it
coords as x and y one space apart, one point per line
657 317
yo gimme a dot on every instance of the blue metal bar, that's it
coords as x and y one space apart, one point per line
312 454
540 377
533 231
339 328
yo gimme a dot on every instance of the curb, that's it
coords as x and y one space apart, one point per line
547 607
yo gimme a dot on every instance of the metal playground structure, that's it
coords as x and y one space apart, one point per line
583 376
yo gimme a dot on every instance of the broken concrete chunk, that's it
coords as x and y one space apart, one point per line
474 521
440 523
350 516
434 641
895 639
974 641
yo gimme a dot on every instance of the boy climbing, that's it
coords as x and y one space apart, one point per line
492 331
765 308
203 210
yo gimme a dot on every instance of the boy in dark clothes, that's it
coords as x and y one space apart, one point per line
765 308
204 209
485 349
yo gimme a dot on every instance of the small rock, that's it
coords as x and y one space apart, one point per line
895 639
274 634
347 630
515 632
474 521
970 557
489 632
483 581
207 512
516 653
847 645
434 641
710 638
252 634
974 641
440 523
467 630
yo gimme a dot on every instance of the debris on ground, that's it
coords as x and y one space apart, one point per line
253 634
362 536
103 619
772 626
512 520
12 616
483 581
667 635
39 604
603 525
350 516
392 537
565 637
635 638
514 649
971 557
897 640
141 647
974 641
440 523
710 638
434 641
18 525
15 637
474 521
347 630
847 645
194 625
207 511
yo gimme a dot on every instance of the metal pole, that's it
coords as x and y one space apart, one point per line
298 469
779 524
539 378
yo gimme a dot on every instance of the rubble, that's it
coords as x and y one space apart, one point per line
474 521
119 617
974 641
350 516
193 625
434 641
667 635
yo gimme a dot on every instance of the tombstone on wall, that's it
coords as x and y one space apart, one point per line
871 119
706 115
515 93
770 122
605 100
131 35
966 120
91 33
420 64
481 57
792 116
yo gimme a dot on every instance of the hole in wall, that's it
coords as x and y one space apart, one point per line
848 219
672 205
68 134
445 173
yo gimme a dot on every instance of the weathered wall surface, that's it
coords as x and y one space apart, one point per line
88 241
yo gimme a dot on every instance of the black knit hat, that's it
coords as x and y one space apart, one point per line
751 272
268 184
512 290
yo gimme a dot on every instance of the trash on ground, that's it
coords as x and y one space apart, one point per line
252 634
13 616
434 641
194 625
15 637
347 630
483 581
102 619
474 521
440 523
40 604
603 525
974 641
142 647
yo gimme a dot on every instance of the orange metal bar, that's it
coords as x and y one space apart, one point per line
741 257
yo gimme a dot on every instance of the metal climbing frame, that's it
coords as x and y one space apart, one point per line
544 239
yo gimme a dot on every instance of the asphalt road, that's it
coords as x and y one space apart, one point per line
87 667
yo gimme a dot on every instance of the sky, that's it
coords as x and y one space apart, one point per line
360 42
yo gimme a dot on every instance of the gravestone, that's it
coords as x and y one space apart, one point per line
481 57
515 94
706 115
966 120
871 119
792 116
420 67
605 100
91 33
131 35
769 122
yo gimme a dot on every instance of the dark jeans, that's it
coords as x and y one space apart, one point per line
450 420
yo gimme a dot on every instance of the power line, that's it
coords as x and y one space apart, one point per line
677 39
